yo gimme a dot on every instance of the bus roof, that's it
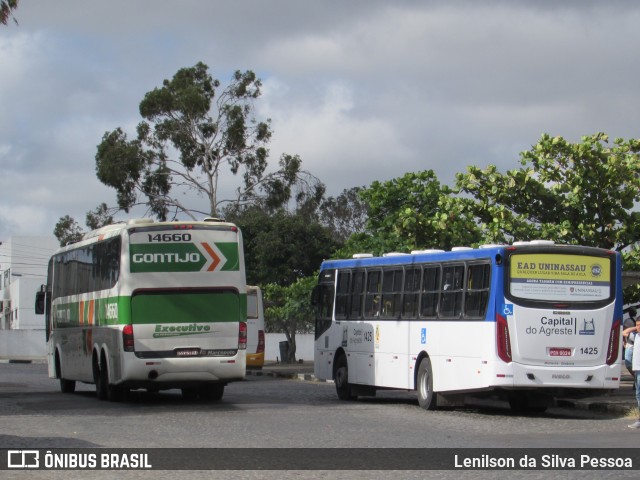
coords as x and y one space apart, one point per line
436 255
116 229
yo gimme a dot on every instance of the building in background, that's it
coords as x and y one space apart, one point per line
23 269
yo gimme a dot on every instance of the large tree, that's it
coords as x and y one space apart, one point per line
281 247
575 193
288 309
578 193
413 212
67 230
195 132
345 214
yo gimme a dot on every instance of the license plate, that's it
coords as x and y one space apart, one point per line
188 352
559 352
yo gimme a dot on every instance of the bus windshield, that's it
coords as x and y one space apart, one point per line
560 277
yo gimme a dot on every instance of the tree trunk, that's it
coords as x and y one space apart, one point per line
291 354
292 349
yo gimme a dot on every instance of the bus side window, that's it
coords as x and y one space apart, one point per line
391 293
323 300
477 295
452 288
430 287
411 296
372 297
357 286
342 295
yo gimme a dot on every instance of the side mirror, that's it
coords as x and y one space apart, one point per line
40 302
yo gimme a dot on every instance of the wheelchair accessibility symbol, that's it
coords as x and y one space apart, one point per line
507 309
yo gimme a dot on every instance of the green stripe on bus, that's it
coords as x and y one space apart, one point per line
154 308
230 251
93 312
188 308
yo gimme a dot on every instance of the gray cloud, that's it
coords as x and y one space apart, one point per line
362 90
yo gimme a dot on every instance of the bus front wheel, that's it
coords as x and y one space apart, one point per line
66 386
424 385
341 379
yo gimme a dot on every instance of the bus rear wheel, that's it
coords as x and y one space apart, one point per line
104 389
424 385
117 393
67 386
212 392
189 393
341 379
522 403
101 378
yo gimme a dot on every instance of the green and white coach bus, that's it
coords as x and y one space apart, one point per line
148 305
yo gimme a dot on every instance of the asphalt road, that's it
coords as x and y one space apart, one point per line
265 412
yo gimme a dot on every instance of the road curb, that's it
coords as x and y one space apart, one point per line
307 377
595 406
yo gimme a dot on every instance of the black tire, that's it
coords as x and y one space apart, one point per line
190 393
212 392
341 379
104 389
101 378
116 393
66 386
520 403
427 398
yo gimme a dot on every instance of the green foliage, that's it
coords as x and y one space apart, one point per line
212 130
120 164
572 193
288 309
345 214
99 217
583 193
67 231
413 212
282 247
6 10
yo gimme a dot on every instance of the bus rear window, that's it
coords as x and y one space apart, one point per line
559 277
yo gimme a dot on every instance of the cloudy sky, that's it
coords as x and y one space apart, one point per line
362 90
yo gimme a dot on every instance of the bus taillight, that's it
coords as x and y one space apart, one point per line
503 339
242 336
260 341
127 338
614 343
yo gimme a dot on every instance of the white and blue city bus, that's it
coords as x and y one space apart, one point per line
525 322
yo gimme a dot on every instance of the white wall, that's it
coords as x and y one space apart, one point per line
304 346
22 345
23 268
31 345
23 299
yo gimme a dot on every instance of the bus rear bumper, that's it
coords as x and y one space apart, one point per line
166 373
515 375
